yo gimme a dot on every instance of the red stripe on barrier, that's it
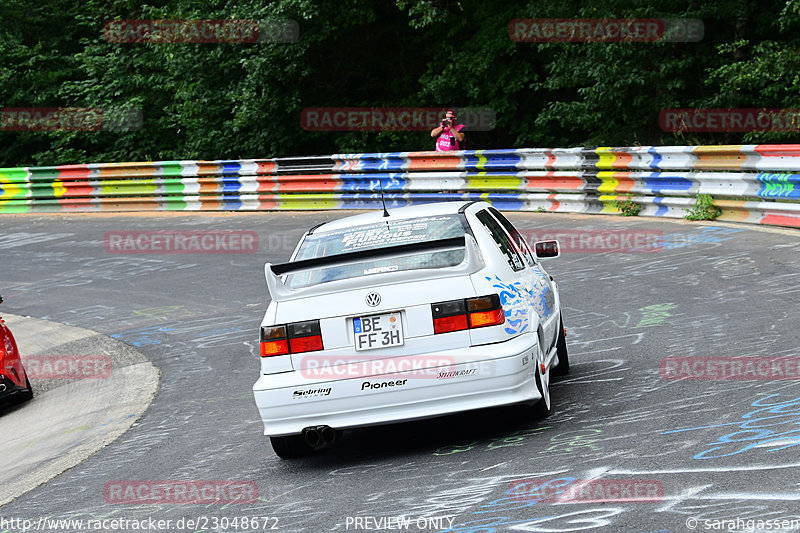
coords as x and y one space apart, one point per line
68 172
305 183
551 159
781 220
778 150
621 159
556 203
266 167
551 182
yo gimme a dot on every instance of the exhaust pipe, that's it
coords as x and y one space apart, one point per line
3 387
317 436
312 437
327 433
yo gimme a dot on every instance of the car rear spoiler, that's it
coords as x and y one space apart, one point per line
280 292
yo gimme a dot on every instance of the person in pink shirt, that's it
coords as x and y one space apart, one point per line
448 133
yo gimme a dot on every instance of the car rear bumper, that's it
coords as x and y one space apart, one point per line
289 402
9 391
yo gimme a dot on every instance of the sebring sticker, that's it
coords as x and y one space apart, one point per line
311 393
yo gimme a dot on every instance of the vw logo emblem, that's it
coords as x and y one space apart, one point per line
373 299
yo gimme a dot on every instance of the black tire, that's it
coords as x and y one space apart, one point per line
290 446
28 394
562 368
541 409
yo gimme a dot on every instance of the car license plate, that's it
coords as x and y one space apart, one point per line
377 331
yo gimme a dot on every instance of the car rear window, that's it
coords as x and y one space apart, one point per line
381 235
384 234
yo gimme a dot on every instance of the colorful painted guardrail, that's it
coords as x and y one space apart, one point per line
750 183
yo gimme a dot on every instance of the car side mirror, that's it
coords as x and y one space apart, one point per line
546 249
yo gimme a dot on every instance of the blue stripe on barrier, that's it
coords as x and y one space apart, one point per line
233 203
372 182
493 174
662 209
373 201
230 167
658 182
779 185
490 159
501 159
392 163
383 161
470 161
230 184
654 164
509 202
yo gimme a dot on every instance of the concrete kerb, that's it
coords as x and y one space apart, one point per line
69 420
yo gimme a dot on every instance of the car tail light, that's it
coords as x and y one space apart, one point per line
297 337
485 311
274 341
456 315
449 316
305 336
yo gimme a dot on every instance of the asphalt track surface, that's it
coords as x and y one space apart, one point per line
714 449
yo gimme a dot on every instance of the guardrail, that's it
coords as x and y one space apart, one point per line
750 183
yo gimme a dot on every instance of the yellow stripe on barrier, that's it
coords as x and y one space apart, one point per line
58 188
608 203
606 157
10 190
610 183
510 182
307 201
732 210
481 164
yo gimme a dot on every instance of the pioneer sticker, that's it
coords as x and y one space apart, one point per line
382 384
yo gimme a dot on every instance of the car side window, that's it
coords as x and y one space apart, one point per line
503 241
515 235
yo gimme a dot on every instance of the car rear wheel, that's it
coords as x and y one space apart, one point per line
542 407
562 368
290 446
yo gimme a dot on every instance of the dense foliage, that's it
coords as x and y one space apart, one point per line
244 100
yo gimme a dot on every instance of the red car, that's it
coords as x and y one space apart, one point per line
14 384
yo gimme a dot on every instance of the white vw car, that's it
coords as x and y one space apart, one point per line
421 312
